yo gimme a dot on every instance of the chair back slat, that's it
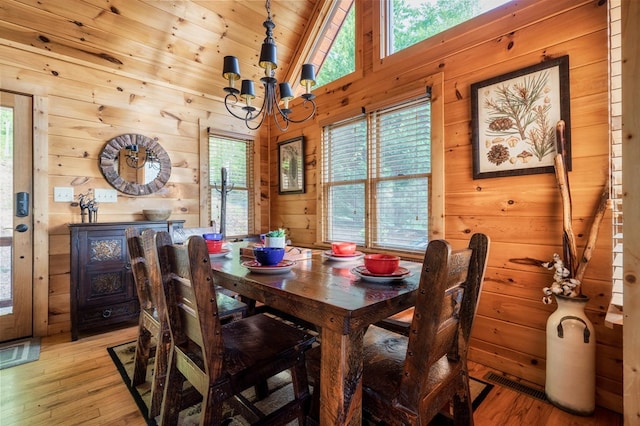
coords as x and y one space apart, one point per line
445 306
138 268
155 264
193 313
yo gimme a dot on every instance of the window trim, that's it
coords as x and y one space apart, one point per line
475 30
436 218
205 202
250 188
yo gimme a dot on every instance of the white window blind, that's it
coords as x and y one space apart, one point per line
614 314
345 171
236 156
376 178
400 170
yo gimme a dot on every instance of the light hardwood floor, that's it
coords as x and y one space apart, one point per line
76 383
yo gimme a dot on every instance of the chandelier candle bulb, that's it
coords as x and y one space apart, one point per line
231 72
308 78
285 96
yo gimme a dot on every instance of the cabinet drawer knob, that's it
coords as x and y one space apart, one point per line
106 313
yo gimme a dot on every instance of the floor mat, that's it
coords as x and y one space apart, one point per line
19 352
123 356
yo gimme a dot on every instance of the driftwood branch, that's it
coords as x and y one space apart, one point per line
569 246
601 209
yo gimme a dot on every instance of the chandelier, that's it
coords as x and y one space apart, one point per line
252 117
133 158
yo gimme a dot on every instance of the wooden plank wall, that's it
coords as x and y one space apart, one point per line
521 214
88 103
630 14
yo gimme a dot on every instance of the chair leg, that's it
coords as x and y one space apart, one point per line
261 390
141 359
300 382
172 401
462 404
160 372
211 413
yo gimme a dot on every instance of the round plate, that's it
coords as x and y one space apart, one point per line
342 257
222 253
400 272
379 279
281 268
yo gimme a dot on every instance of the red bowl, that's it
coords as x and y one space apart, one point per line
343 248
381 264
214 246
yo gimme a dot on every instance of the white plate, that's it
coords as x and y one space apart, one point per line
281 268
380 279
222 253
342 258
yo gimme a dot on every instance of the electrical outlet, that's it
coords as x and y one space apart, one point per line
105 195
62 194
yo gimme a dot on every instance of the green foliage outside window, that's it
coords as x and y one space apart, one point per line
341 59
412 21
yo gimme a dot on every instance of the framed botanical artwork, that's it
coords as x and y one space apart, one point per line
291 166
514 119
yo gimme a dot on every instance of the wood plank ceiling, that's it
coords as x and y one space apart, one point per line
178 43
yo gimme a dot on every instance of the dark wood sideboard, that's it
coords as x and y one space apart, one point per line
103 292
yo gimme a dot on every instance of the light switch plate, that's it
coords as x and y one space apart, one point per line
105 195
63 194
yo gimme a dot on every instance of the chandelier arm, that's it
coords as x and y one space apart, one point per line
273 108
281 127
301 120
235 101
249 116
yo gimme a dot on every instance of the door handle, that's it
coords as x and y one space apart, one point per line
22 227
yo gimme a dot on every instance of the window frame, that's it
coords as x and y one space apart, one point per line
252 180
437 46
436 199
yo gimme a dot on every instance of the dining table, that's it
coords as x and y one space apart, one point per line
332 294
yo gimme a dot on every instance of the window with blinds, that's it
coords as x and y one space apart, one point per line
376 178
616 307
236 156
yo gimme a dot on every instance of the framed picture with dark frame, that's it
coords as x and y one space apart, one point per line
514 118
291 166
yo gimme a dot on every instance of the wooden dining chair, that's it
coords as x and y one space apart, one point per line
154 338
408 380
222 360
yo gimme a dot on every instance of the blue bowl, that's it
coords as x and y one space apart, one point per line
268 256
212 236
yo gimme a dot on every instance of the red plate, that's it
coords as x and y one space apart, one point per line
256 264
400 272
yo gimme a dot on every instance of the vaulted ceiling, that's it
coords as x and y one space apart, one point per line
178 43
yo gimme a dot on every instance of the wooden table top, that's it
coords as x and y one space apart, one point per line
321 291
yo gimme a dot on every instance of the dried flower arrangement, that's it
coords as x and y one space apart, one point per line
568 274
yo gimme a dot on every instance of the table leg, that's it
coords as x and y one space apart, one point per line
341 378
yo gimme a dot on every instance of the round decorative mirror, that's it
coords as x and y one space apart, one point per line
135 164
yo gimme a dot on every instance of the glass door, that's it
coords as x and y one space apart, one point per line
16 217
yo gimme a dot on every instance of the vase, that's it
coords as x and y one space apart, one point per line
571 357
275 242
